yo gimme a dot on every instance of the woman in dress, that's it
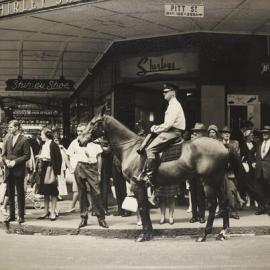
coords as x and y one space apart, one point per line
49 159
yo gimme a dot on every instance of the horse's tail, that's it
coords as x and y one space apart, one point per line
244 183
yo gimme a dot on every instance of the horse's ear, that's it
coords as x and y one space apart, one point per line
103 110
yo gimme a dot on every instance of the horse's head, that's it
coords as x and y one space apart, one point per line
94 129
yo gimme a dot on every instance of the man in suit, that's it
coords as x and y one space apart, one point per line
196 186
16 151
262 171
230 180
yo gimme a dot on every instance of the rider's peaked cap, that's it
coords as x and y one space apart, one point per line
226 129
170 86
213 127
199 127
266 129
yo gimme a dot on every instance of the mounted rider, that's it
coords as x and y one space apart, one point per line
164 134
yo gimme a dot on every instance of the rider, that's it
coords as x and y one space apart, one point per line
173 127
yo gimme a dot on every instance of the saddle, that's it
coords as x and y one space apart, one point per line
172 152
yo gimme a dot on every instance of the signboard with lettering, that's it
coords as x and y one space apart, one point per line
195 11
15 7
169 64
39 85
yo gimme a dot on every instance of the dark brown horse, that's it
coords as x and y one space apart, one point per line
205 157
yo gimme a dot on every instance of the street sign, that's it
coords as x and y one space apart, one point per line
177 10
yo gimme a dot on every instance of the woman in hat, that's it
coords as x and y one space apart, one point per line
213 132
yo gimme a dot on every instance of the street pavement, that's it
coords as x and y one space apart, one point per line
126 227
69 252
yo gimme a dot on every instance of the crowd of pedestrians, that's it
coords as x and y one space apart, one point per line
49 166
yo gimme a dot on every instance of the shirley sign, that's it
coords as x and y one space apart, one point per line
177 10
162 64
39 85
8 8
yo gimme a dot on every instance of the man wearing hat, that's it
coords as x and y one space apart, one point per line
196 187
262 171
233 146
248 158
173 126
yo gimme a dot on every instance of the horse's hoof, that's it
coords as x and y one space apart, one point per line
144 237
201 239
220 237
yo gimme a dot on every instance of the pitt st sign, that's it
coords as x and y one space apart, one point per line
16 7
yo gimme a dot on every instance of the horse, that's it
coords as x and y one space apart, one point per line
204 157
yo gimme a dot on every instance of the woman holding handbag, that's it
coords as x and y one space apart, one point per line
50 161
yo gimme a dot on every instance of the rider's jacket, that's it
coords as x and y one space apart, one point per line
174 117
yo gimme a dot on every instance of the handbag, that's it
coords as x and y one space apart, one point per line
130 204
49 178
3 188
70 178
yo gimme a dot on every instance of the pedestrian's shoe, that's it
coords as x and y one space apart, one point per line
193 219
162 221
83 222
9 219
47 215
126 214
103 223
234 215
202 220
171 221
21 220
260 212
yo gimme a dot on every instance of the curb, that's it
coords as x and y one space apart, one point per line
130 233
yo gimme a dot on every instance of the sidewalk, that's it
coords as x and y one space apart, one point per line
126 227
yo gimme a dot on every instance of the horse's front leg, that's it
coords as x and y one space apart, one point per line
212 205
140 192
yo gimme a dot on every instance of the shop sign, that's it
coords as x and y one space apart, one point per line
39 85
242 100
165 64
8 8
40 112
194 11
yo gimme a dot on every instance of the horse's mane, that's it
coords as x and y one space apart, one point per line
111 123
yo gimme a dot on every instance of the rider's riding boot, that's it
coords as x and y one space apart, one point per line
145 143
150 170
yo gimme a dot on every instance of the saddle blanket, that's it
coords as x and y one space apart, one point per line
172 153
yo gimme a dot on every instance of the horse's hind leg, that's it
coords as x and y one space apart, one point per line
211 197
224 204
140 192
